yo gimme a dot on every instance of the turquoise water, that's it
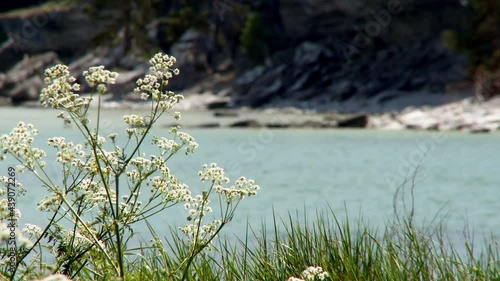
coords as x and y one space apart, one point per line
353 171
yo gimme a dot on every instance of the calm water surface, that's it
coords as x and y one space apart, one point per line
357 171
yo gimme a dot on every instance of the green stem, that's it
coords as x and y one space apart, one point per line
96 241
117 230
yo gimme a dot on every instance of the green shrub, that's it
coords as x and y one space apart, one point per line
480 42
254 38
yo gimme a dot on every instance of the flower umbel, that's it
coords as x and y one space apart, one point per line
312 273
97 75
60 89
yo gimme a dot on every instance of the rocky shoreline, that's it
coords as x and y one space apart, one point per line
322 79
454 110
466 115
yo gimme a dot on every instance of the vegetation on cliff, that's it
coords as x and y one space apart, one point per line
481 43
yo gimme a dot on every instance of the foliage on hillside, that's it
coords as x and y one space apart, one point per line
482 45
482 41
230 24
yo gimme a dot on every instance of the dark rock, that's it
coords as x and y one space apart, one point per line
9 55
479 130
27 90
413 127
341 90
248 78
277 125
191 52
309 53
25 80
126 83
208 125
218 104
65 30
359 121
266 88
226 114
250 123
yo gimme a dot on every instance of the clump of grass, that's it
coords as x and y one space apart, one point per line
350 251
346 249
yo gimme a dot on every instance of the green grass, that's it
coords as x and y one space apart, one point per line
346 250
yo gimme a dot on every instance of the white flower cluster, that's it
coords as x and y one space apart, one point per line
152 85
171 146
100 198
199 205
7 212
98 76
311 273
214 174
177 115
200 234
68 153
243 188
49 204
60 89
188 141
135 121
161 66
129 213
95 194
149 86
32 230
109 161
170 188
19 143
166 145
6 232
4 180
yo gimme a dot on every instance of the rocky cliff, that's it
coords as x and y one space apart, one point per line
345 55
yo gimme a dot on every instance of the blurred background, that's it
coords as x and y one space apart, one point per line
351 56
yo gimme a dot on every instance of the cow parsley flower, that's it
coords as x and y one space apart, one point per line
153 85
166 145
188 141
177 115
313 273
214 174
242 189
59 92
161 66
97 75
19 144
135 121
32 230
200 234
